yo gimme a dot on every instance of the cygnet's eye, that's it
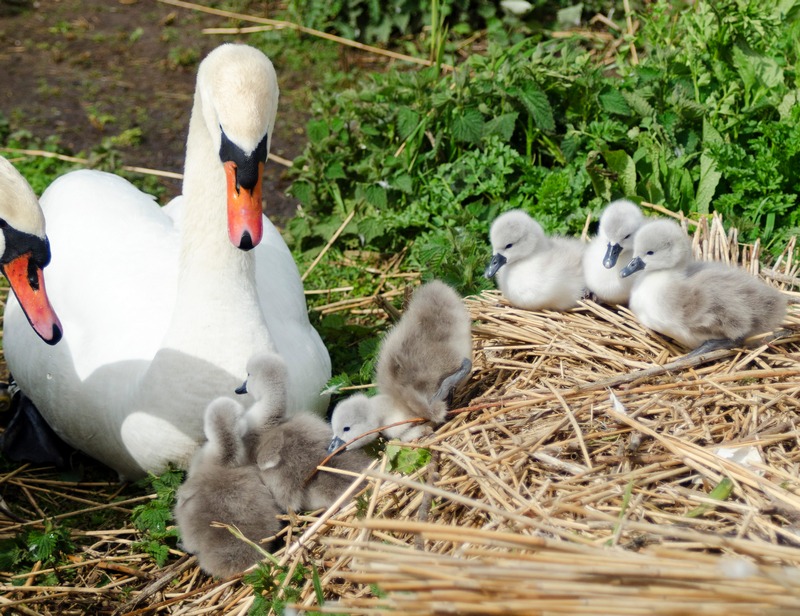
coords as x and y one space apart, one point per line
509 246
650 252
346 429
626 237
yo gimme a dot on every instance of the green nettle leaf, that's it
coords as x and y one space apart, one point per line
538 106
638 103
614 102
335 171
317 131
622 164
407 121
404 183
303 192
376 195
709 173
502 126
406 460
468 126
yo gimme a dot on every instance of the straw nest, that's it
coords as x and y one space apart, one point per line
586 469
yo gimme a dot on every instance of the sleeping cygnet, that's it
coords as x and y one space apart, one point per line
533 271
286 451
220 488
420 363
610 251
702 305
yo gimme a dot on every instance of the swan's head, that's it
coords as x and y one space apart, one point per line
659 245
266 376
221 425
514 236
351 418
238 91
618 225
25 251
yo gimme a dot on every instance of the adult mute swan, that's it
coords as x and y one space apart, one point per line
25 250
163 308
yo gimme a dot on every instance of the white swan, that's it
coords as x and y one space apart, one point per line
610 251
534 271
702 305
24 251
162 310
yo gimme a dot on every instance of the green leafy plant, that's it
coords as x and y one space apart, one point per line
153 517
407 460
46 546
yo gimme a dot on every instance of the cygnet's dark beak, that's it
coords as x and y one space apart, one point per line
612 254
495 264
335 444
242 389
634 266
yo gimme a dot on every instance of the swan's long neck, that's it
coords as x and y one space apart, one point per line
217 302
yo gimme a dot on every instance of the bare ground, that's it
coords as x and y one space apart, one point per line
86 70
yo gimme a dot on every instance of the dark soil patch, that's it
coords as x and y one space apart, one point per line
87 70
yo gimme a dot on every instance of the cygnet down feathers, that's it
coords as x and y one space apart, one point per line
534 271
285 450
611 250
219 488
702 305
420 363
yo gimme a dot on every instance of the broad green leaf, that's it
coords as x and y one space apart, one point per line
317 131
335 171
622 164
406 460
468 126
538 106
376 195
502 126
614 102
709 174
407 121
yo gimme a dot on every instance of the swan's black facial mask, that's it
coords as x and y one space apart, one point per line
19 243
248 171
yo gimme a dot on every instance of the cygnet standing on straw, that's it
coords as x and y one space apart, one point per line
534 271
221 488
702 305
421 361
287 450
610 251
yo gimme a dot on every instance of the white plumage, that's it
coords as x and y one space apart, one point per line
534 271
161 308
611 250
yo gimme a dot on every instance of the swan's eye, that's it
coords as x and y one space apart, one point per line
649 253
346 429
3 224
626 237
509 246
33 275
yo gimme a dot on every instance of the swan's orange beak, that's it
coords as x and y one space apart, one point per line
27 282
245 226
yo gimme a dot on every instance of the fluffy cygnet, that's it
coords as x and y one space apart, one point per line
286 451
610 251
219 488
533 271
421 361
702 305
